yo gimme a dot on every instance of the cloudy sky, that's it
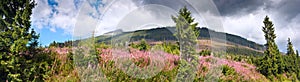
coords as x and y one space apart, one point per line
61 20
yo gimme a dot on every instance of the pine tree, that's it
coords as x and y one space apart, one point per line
290 49
291 58
53 44
272 62
18 42
297 54
187 35
144 46
298 65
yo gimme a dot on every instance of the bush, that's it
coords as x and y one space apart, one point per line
171 48
227 70
229 74
143 45
205 53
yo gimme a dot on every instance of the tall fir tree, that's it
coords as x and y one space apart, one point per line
18 43
272 62
187 34
297 53
298 64
291 58
290 49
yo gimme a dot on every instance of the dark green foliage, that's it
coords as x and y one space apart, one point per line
290 49
229 74
243 51
102 45
297 53
171 48
68 66
186 35
166 34
227 70
143 45
61 45
20 58
205 53
158 34
38 67
62 68
53 44
185 18
298 65
242 41
272 63
292 62
291 58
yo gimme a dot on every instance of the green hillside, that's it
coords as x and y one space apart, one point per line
166 34
234 44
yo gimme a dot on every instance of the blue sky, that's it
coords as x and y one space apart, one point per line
54 19
62 20
47 36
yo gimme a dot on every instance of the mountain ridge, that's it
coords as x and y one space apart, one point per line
166 34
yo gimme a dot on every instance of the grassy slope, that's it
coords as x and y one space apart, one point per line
166 33
242 71
234 44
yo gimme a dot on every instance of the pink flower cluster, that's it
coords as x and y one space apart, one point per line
105 55
143 57
246 70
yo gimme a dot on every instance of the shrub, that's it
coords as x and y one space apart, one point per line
171 48
205 53
143 45
227 70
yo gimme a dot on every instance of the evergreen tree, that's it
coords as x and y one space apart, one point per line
298 65
187 35
297 54
272 63
53 44
18 43
290 49
143 45
291 58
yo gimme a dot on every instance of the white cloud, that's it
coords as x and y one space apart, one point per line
41 14
128 14
85 24
248 26
288 30
112 13
52 17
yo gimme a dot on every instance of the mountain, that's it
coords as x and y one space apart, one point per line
234 44
114 32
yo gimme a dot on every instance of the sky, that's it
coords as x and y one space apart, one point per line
61 20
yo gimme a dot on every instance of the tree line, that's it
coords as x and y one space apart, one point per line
273 64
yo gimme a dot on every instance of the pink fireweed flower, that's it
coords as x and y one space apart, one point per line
144 58
246 70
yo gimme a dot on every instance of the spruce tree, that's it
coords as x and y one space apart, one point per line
187 34
298 65
291 58
272 63
144 46
290 49
18 42
297 53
